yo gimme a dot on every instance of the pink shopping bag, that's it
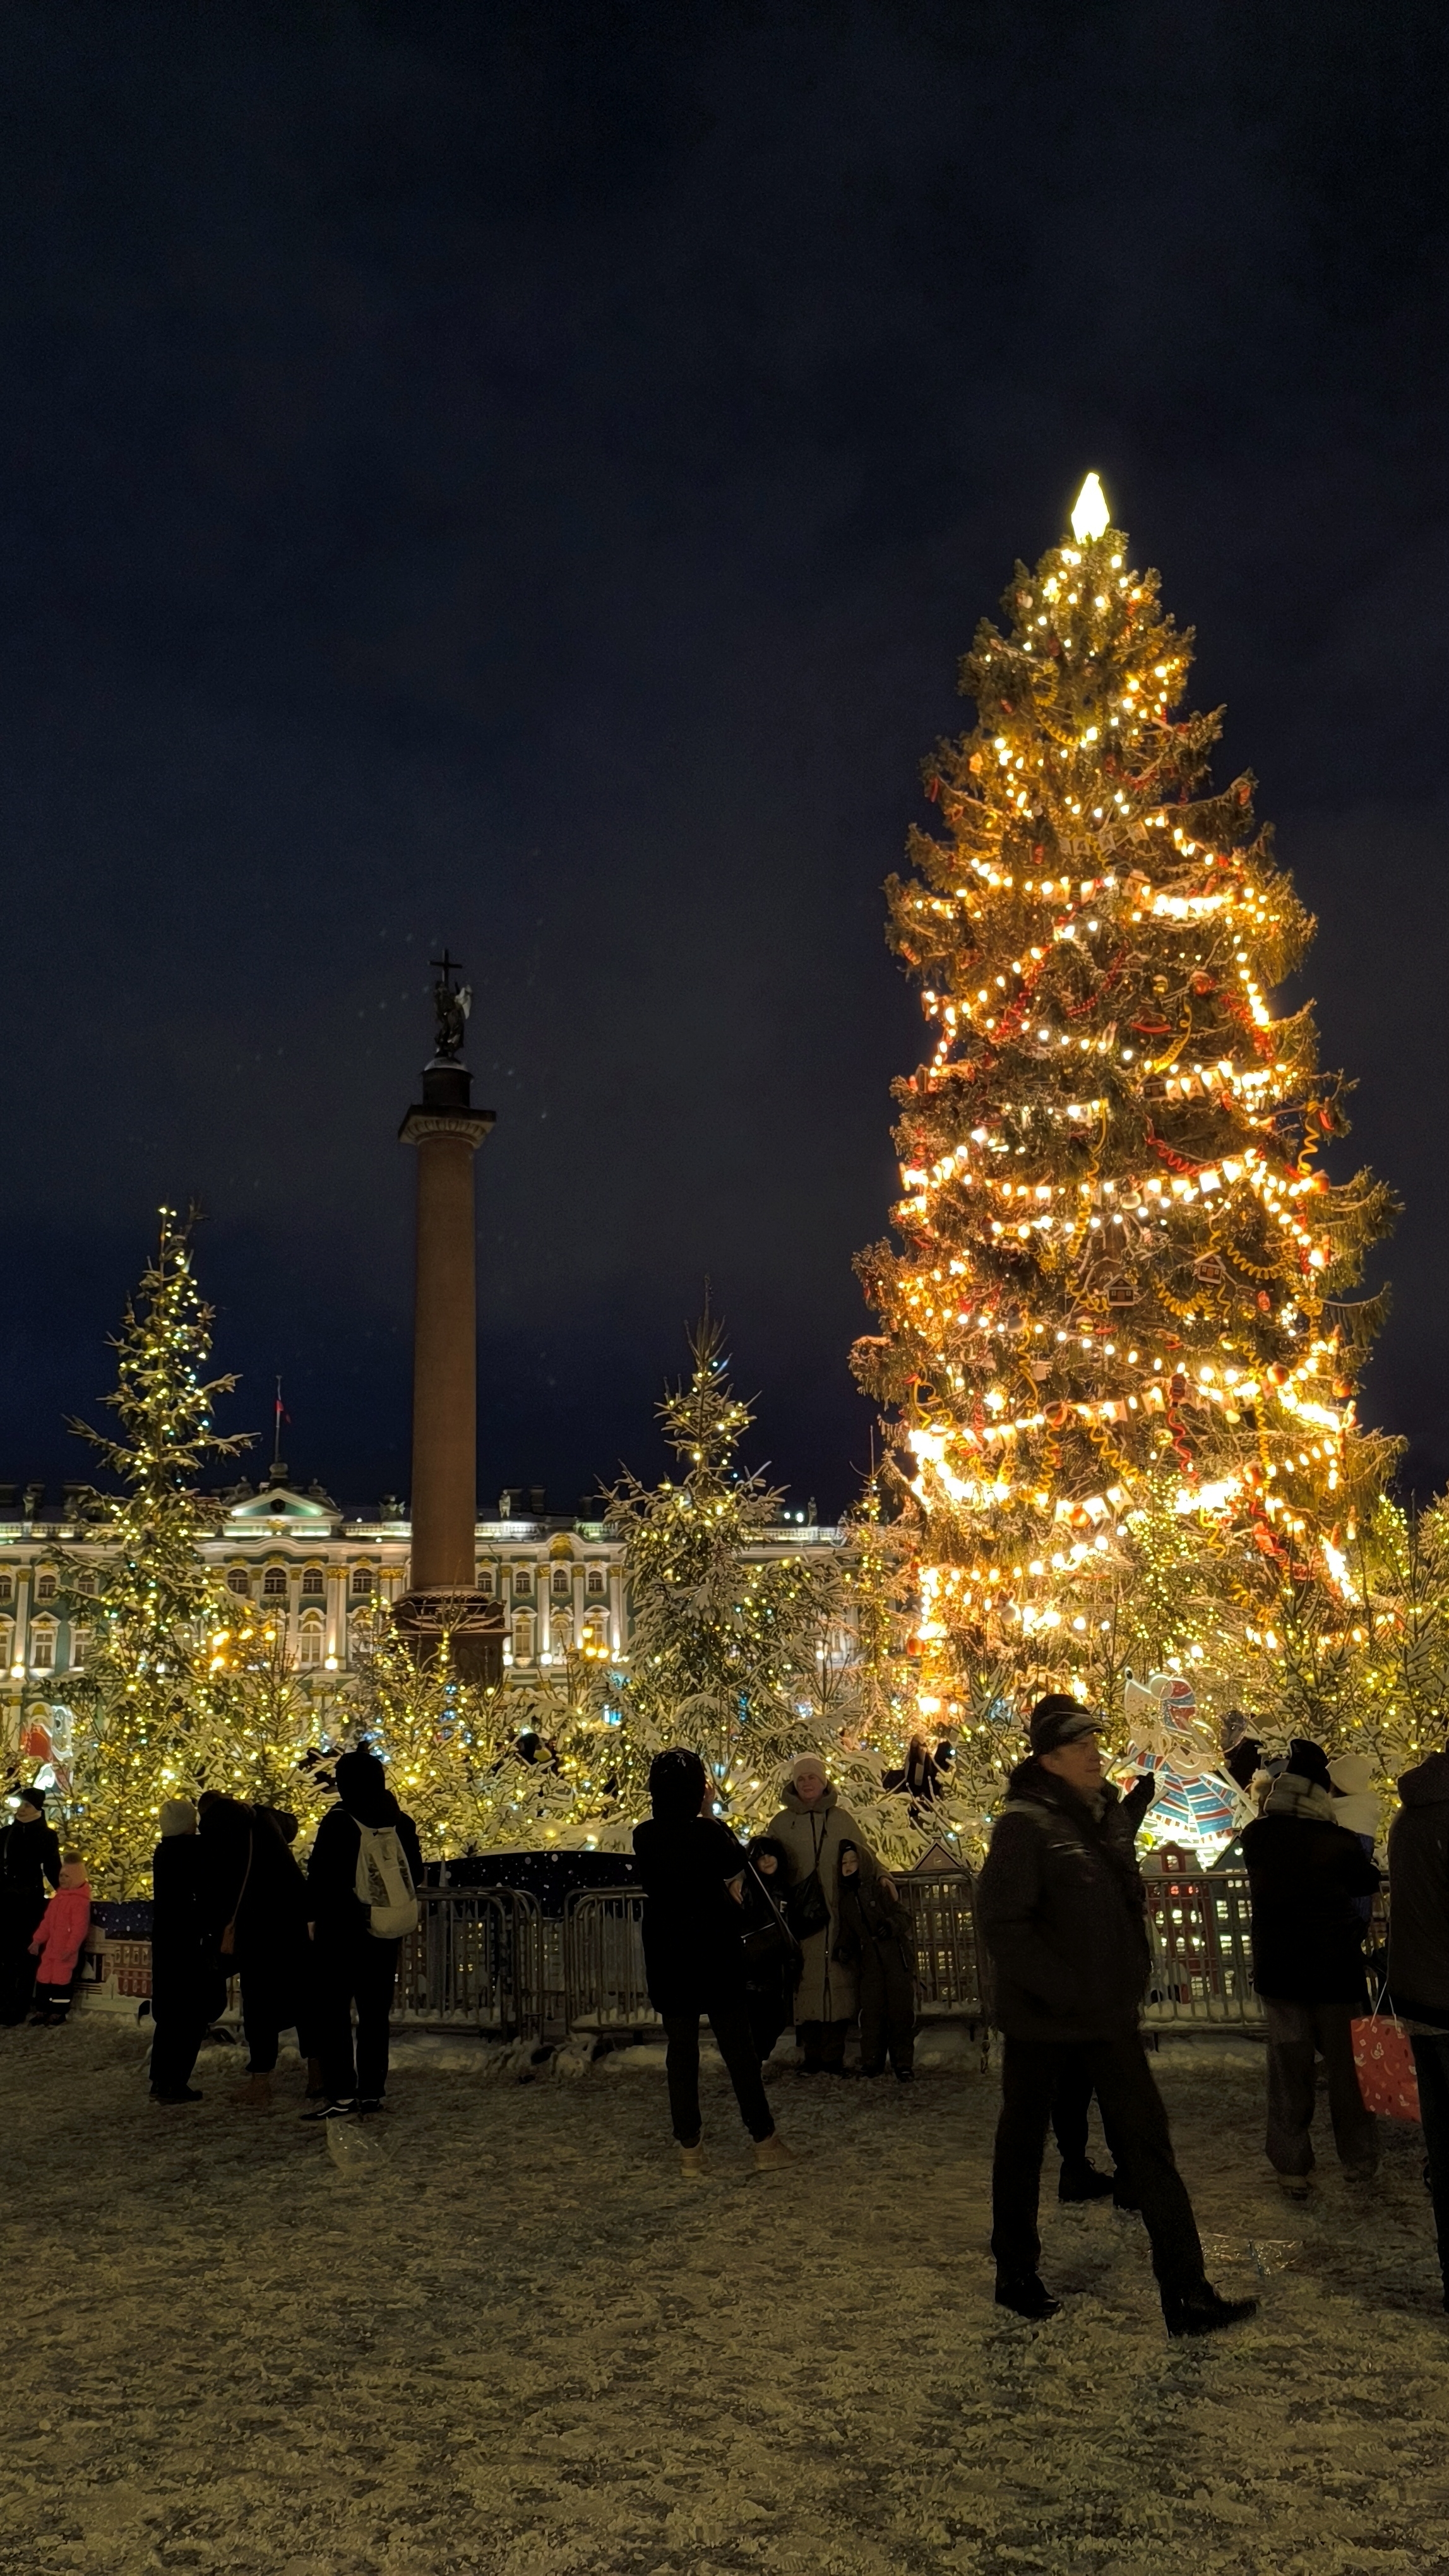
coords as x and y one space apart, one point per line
1384 2062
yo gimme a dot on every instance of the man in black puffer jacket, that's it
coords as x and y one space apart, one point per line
1306 1874
1059 1903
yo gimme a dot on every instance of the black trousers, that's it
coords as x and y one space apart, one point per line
823 2043
177 2034
887 2010
1071 2106
276 1996
20 1918
769 2009
1431 2065
1296 2034
1132 2112
361 1972
730 2022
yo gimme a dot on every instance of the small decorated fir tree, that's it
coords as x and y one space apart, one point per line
726 1649
444 1740
1120 1266
255 1717
139 1701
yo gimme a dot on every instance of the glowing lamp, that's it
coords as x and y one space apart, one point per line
1091 516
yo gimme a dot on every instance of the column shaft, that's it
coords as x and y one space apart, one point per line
445 1366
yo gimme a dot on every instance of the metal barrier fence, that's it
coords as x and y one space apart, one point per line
950 1984
605 1988
467 1962
1202 1958
587 1973
488 1959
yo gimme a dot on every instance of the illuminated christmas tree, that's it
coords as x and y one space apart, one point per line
1120 1271
443 1739
878 1565
256 1718
727 1651
138 1704
567 1722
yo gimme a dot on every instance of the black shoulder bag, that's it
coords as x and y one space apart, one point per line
771 1944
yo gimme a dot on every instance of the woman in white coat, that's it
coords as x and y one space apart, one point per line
812 1825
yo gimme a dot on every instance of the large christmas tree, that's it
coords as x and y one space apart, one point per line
1120 1274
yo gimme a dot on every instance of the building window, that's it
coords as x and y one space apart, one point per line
362 1581
596 1582
236 1580
80 1646
523 1640
485 1580
522 1582
310 1648
595 1638
45 1587
88 1581
561 1582
314 1583
7 1587
7 1641
42 1650
274 1583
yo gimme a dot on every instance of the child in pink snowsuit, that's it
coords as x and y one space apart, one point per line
60 1940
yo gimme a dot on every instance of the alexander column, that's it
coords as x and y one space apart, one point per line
447 1130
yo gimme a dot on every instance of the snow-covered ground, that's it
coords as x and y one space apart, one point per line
523 2347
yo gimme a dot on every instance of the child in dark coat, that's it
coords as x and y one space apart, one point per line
769 1981
875 1939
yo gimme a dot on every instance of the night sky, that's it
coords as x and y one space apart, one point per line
525 475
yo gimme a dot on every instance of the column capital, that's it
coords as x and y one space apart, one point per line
423 1121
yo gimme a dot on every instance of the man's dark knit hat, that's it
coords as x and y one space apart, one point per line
677 1783
1058 1720
1309 1761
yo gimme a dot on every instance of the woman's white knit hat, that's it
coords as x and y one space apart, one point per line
808 1762
1352 1772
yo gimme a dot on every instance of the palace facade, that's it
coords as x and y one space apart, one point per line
302 1556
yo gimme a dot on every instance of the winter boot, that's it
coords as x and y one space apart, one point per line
1202 2312
772 2152
1026 2296
1083 2182
691 2163
1295 2186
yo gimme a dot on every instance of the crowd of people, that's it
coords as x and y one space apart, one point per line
309 1950
805 1925
804 1928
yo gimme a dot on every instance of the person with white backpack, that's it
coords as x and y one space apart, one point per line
362 1883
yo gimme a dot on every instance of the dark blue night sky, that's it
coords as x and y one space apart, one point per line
525 475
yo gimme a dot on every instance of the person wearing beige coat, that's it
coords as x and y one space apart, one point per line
812 1825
